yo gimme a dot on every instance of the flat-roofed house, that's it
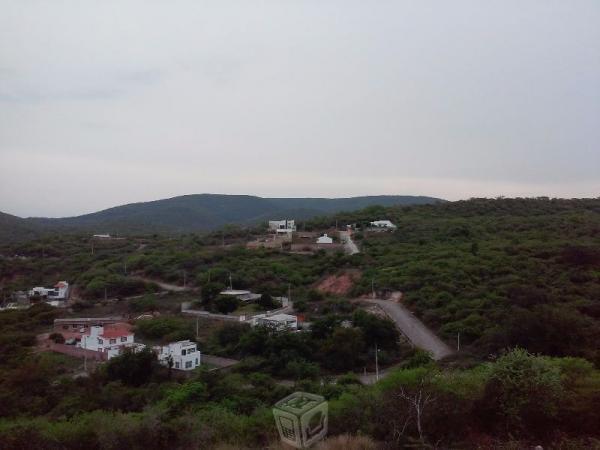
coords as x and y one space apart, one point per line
184 355
383 224
279 322
242 295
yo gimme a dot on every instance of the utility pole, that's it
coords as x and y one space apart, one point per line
92 247
223 238
376 363
230 282
373 287
84 354
458 342
197 319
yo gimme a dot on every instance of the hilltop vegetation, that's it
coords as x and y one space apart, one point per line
192 213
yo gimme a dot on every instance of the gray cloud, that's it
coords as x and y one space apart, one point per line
103 103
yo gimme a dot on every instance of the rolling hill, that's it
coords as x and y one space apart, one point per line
194 213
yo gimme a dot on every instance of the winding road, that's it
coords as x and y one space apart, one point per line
413 328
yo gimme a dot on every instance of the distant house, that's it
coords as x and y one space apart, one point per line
109 339
244 296
279 322
101 236
282 226
81 324
184 354
60 291
383 224
325 239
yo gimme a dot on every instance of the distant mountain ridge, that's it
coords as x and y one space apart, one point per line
195 213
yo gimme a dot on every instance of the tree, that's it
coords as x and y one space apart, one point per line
523 392
226 304
343 350
132 368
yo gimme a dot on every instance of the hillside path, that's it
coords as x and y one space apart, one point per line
413 328
162 285
349 246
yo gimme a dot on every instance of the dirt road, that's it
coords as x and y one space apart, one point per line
349 246
413 328
164 286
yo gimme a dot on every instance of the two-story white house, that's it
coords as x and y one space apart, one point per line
60 291
184 354
282 226
108 339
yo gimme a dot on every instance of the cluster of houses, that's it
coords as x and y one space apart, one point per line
110 336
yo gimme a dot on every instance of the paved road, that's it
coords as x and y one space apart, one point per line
349 246
413 328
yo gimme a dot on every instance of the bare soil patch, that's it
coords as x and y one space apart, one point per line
338 284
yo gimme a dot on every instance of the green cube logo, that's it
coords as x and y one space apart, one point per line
301 419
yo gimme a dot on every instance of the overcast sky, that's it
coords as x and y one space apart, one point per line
110 102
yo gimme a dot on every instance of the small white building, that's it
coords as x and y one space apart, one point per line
185 355
325 239
282 226
107 339
383 224
279 322
242 295
60 291
101 236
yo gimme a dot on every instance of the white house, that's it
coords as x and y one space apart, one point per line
107 339
325 239
185 355
282 226
383 224
60 291
279 322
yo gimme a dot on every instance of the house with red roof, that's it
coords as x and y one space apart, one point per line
108 338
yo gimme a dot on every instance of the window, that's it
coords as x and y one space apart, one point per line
183 352
177 365
113 341
74 325
191 350
100 341
123 338
65 327
196 361
188 364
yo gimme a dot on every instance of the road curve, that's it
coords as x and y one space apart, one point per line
413 328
